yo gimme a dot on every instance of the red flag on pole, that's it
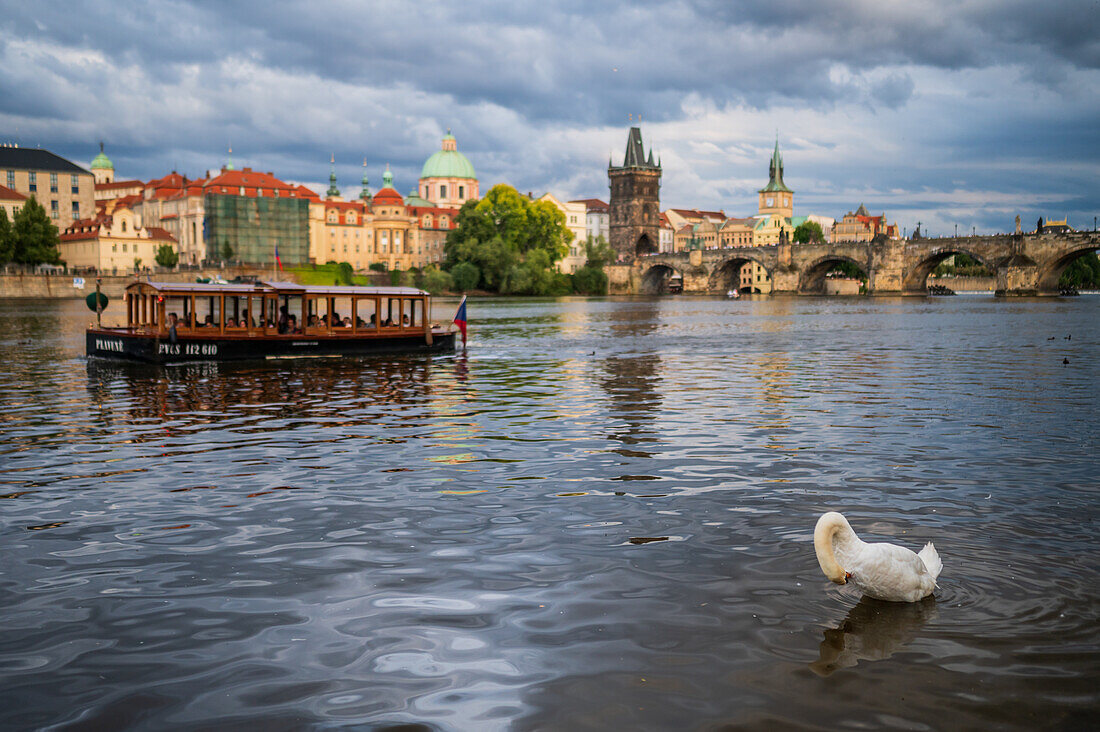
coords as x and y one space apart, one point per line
460 319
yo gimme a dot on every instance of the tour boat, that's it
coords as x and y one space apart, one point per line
169 322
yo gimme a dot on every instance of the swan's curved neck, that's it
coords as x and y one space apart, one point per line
833 529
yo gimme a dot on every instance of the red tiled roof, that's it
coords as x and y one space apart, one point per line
127 201
593 204
345 205
7 194
388 195
155 232
172 180
118 184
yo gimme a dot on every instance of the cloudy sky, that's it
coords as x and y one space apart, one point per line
966 112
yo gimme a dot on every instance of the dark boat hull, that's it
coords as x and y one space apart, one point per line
143 348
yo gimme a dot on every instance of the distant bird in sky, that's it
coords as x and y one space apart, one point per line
883 571
1065 362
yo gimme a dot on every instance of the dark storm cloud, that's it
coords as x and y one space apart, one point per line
538 93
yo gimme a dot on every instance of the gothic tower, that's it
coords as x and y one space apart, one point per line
776 198
635 201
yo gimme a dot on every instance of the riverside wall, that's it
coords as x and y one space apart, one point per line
966 284
29 285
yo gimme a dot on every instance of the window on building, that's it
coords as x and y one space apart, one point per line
74 184
462 191
114 248
76 209
443 191
350 217
124 247
332 217
124 230
240 191
32 181
53 182
55 210
11 179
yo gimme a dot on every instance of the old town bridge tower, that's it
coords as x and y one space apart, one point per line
635 201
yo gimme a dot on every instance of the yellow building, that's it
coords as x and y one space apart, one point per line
11 201
371 230
576 215
63 188
112 242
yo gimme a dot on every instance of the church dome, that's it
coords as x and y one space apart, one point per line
101 161
448 162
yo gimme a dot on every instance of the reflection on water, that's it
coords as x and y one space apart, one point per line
599 517
874 630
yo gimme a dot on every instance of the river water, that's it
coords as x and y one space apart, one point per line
599 517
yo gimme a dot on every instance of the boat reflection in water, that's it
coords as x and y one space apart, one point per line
873 631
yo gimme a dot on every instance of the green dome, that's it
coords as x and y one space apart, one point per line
448 162
101 161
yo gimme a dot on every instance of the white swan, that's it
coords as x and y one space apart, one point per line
884 571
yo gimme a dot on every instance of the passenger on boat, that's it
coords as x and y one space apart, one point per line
292 324
313 322
347 322
405 321
172 320
284 320
231 323
208 322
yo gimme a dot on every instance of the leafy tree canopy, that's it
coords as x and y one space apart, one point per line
34 236
7 238
808 232
167 256
512 241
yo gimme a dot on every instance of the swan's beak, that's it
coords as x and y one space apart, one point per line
847 576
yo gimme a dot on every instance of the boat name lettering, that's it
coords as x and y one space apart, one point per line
304 343
104 345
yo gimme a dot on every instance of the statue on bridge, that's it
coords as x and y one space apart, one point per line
1017 223
782 237
916 231
1039 226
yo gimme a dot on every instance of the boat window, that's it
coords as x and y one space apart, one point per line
415 311
180 306
236 312
341 312
208 313
366 313
389 312
295 308
271 314
317 310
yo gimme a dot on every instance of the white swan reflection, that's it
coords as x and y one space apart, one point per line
873 630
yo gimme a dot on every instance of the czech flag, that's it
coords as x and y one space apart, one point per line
460 319
277 260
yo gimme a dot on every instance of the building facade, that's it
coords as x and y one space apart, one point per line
862 226
635 206
62 187
11 201
576 221
112 242
597 218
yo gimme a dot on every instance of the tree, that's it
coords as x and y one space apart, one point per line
34 236
436 281
466 276
377 267
1082 273
137 263
808 232
344 272
591 278
227 251
167 256
7 238
511 241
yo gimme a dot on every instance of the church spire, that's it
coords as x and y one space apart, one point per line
365 193
775 172
333 191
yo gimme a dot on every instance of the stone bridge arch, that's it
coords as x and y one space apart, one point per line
1051 270
916 280
655 278
725 274
812 279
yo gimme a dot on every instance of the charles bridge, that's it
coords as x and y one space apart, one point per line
1024 264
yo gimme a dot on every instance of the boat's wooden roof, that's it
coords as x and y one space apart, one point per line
283 288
